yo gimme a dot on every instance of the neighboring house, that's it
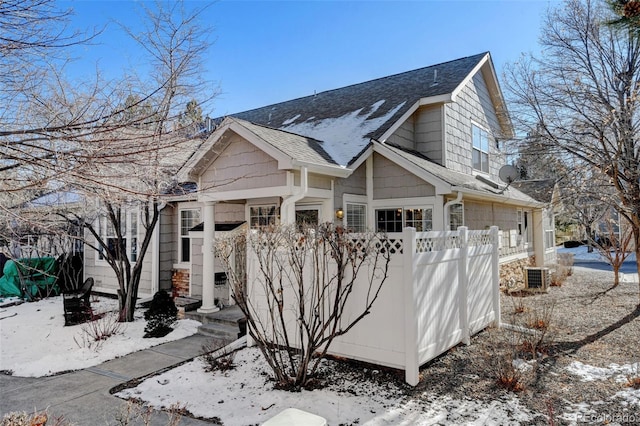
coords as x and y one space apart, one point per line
418 149
39 228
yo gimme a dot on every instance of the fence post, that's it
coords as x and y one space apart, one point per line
411 361
250 277
463 284
495 274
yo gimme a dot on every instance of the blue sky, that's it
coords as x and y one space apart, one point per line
266 52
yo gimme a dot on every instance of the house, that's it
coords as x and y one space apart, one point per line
419 149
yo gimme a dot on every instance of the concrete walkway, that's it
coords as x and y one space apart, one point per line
83 398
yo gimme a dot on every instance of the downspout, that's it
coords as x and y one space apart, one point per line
447 207
293 199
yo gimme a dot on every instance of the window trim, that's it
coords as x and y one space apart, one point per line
181 236
482 130
268 205
404 208
450 215
128 237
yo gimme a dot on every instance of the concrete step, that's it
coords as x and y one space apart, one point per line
219 331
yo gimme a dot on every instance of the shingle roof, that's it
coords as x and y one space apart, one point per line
346 119
539 189
299 147
457 179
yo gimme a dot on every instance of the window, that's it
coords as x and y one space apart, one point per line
393 220
357 217
188 219
260 216
480 153
128 240
307 216
456 216
525 231
389 220
421 219
549 239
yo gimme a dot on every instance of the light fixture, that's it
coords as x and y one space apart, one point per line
339 213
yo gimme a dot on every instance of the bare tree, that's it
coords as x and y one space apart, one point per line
118 143
581 97
312 285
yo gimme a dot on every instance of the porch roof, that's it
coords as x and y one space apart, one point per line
460 181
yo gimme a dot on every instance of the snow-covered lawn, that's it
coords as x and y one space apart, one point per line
34 341
245 396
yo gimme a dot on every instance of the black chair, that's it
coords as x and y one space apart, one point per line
77 306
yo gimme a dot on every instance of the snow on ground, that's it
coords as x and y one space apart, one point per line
630 397
245 395
34 342
589 373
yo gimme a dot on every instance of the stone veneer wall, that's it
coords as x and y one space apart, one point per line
180 282
512 273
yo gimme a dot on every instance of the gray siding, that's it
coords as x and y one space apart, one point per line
405 135
105 278
429 132
242 166
314 180
473 103
392 181
167 245
355 184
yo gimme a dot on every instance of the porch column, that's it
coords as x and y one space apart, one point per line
208 260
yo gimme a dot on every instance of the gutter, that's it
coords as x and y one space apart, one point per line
293 199
503 198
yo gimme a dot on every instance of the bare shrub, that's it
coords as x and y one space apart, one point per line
502 358
307 276
133 411
38 418
95 332
633 379
540 321
217 357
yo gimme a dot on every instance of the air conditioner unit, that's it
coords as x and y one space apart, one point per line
536 279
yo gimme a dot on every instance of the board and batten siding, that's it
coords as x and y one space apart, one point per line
242 166
472 105
392 181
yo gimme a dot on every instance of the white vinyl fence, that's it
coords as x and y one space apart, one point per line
442 287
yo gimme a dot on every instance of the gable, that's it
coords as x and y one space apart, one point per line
241 165
392 181
473 106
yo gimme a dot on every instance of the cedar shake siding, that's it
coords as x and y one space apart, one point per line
242 166
392 181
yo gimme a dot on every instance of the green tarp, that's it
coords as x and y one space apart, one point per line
29 278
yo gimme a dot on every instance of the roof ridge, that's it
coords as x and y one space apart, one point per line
362 82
